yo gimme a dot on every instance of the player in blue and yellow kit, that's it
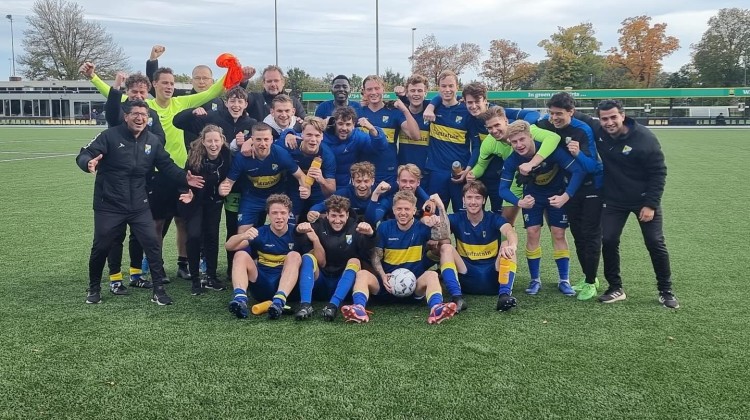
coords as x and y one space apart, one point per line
358 193
333 265
393 121
349 144
401 244
480 261
305 148
265 173
415 150
545 191
450 141
408 179
275 273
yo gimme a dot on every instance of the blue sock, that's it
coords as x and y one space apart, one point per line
450 278
346 282
240 295
562 259
534 258
307 278
434 299
279 298
359 298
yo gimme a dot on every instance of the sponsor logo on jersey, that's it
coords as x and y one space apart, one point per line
150 121
626 150
214 107
459 119
148 149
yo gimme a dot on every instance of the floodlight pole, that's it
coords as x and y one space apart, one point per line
412 48
12 43
377 40
276 28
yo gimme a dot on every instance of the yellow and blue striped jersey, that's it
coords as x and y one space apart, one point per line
480 243
403 249
264 175
272 249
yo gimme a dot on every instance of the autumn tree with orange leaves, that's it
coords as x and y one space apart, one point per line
642 48
431 58
507 68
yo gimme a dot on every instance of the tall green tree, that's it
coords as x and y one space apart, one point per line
571 54
58 40
721 57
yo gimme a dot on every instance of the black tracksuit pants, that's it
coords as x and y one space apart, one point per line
584 211
202 221
231 224
108 226
614 218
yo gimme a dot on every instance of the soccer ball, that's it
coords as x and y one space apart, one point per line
403 282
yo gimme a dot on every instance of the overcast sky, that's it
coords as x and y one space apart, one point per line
338 36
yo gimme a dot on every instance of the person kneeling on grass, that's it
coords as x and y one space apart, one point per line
275 273
401 244
333 265
479 261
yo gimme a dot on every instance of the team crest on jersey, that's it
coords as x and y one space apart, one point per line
214 107
425 122
386 118
525 217
147 149
348 239
291 246
626 150
459 119
274 167
484 234
150 121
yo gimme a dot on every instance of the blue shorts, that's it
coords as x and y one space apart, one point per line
324 287
535 215
480 279
440 183
250 211
266 284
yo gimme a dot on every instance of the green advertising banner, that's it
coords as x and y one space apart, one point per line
578 94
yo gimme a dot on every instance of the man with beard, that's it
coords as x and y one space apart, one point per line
340 88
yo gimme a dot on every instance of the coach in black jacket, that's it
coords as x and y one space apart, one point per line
634 178
121 157
259 103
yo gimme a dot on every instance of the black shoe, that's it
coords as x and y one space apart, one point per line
214 284
183 273
668 299
460 303
506 302
160 297
612 295
166 280
275 311
329 312
118 289
196 289
238 308
140 283
93 296
305 311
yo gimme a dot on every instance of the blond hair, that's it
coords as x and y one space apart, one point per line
518 127
411 168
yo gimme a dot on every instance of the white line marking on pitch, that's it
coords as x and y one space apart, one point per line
38 157
32 153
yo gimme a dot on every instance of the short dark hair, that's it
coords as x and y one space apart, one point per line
261 126
341 77
128 106
282 199
475 89
236 92
344 113
160 71
337 203
608 104
136 78
562 100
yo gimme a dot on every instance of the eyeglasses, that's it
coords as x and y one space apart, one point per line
139 114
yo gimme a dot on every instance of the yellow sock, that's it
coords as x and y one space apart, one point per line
116 277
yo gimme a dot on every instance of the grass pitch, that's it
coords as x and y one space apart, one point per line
552 357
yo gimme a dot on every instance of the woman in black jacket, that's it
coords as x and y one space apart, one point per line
208 156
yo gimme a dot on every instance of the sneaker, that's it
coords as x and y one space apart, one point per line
93 296
214 284
275 311
238 308
612 295
356 313
460 303
160 297
329 312
506 302
183 273
668 299
565 288
118 289
587 292
196 289
140 282
305 311
579 286
534 287
441 312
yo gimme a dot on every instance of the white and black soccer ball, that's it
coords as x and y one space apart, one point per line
403 282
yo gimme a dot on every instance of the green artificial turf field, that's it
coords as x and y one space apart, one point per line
551 357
